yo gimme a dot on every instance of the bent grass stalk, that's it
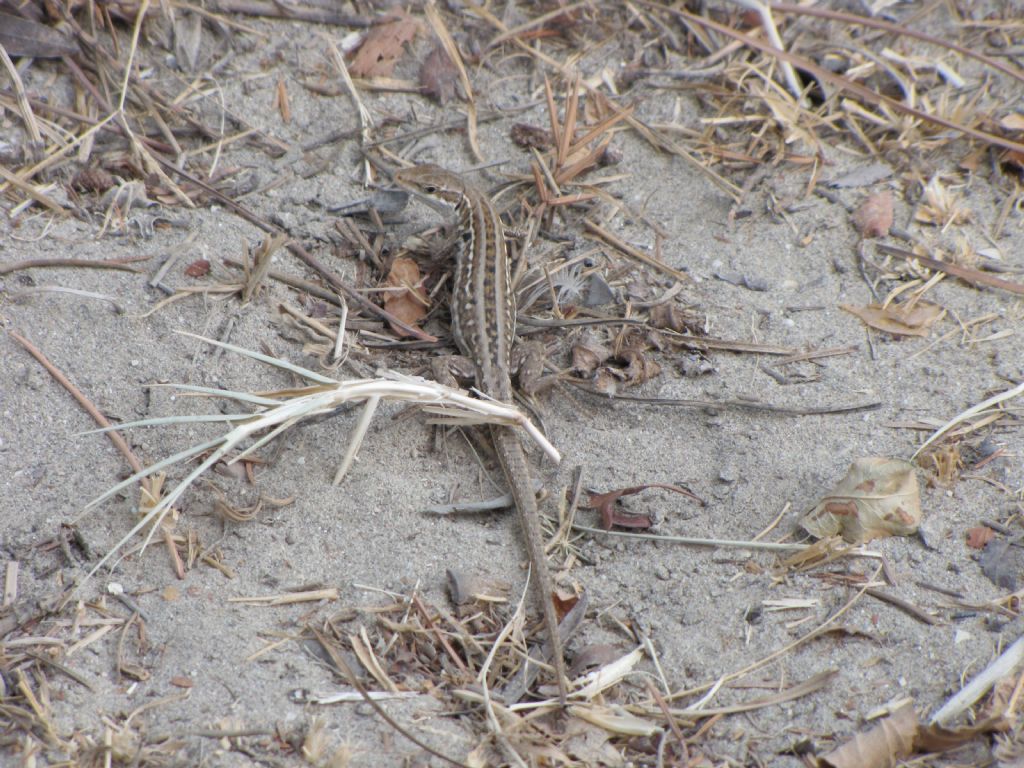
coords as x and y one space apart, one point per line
278 411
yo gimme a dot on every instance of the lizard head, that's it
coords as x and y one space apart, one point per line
433 181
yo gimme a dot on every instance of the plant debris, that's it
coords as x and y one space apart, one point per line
878 497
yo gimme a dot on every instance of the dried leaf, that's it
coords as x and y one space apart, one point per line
24 37
530 136
468 588
639 366
1001 562
383 46
409 304
130 194
936 738
979 536
198 268
188 41
616 720
564 602
587 355
899 319
941 206
439 75
883 746
593 656
1013 122
878 497
675 318
92 179
874 217
605 382
864 176
604 503
598 292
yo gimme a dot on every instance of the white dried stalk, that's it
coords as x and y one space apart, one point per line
972 411
276 413
1007 664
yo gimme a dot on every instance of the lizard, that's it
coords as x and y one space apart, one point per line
483 310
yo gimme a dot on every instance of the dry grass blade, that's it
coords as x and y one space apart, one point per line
897 29
282 410
448 43
845 84
656 139
365 118
261 264
788 648
608 676
23 105
806 688
343 666
1007 663
995 400
632 252
32 191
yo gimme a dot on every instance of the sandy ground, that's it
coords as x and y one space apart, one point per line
702 608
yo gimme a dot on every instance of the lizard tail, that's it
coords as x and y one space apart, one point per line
513 461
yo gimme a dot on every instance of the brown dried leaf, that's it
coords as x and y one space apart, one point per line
883 746
439 75
878 497
383 47
92 179
605 504
673 317
587 355
198 268
874 217
935 738
899 319
527 136
605 382
639 366
1014 158
410 304
979 536
564 602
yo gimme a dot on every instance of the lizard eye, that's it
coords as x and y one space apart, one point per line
430 189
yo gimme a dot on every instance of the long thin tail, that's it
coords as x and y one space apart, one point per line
517 472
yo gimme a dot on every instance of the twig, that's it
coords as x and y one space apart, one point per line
973 410
903 605
115 437
1007 662
972 276
767 546
887 26
343 666
632 252
121 264
848 85
779 652
32 191
741 405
